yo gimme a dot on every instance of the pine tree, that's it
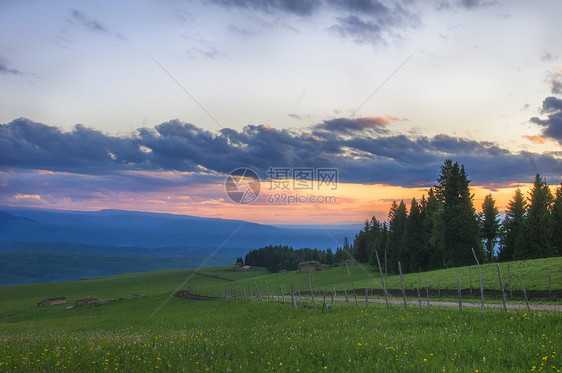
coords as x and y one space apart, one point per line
338 256
461 227
539 220
379 246
329 257
434 227
490 225
396 243
373 238
347 255
415 238
512 237
360 243
557 222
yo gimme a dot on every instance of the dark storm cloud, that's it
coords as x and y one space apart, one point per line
79 187
361 6
86 22
297 7
24 143
373 22
5 69
552 107
359 30
471 4
364 21
82 20
350 126
463 4
361 154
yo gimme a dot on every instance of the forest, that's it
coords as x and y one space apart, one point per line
442 229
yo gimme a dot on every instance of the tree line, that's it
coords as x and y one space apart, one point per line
276 258
442 230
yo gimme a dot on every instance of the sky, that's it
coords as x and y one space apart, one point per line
149 105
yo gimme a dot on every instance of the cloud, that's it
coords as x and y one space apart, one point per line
373 7
369 156
463 4
5 69
24 143
364 21
88 23
472 4
350 126
296 7
547 56
551 106
555 80
534 138
359 30
373 22
92 25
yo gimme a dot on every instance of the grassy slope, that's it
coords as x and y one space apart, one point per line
20 267
534 274
221 335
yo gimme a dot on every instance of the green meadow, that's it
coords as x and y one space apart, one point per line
147 328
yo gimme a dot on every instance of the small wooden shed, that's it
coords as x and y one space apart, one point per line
85 301
52 301
312 267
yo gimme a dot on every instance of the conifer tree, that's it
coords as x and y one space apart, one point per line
512 237
539 221
461 227
557 222
396 243
490 225
415 238
434 230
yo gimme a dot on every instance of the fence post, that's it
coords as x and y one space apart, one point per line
427 292
293 300
333 297
267 292
418 291
385 268
460 296
258 290
402 282
481 285
509 274
470 278
366 298
524 294
382 279
346 297
501 286
352 287
283 294
311 289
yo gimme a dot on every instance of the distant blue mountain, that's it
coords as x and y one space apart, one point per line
156 230
55 245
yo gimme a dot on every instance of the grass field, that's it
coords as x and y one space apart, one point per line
149 330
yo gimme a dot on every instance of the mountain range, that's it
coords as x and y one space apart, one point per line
113 241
